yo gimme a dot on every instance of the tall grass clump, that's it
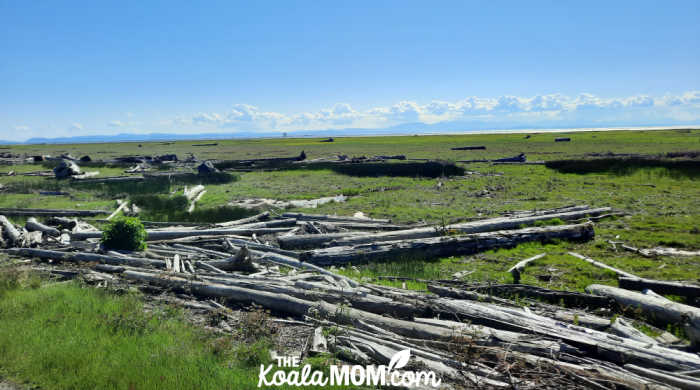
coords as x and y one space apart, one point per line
160 184
173 208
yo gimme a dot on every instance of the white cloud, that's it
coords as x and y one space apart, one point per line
22 128
536 110
206 118
119 123
75 126
688 98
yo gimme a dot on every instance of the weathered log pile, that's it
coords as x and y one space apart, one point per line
474 336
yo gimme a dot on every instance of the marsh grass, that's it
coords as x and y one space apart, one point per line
65 336
173 208
662 207
153 184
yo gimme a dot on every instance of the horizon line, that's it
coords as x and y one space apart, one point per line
228 136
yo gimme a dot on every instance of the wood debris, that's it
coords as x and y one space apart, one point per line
470 336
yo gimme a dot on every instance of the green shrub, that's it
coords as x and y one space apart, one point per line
125 234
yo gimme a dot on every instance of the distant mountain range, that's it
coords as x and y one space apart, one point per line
407 128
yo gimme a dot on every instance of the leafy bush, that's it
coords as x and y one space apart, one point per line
125 234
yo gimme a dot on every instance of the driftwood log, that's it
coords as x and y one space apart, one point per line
600 344
518 268
260 247
444 246
669 378
568 298
309 241
62 222
122 205
79 257
294 263
661 312
332 218
51 212
469 148
255 218
335 226
477 335
486 225
602 265
13 235
113 179
488 326
660 286
155 235
622 328
556 312
34 225
193 195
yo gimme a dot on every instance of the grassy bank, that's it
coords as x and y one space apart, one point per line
66 336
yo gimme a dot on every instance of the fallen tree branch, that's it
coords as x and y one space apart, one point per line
518 268
602 265
122 205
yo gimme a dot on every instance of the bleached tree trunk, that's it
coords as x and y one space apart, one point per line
487 225
444 246
34 225
660 286
86 257
156 235
659 311
13 235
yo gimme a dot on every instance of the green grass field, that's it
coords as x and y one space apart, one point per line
540 146
662 204
66 336
662 207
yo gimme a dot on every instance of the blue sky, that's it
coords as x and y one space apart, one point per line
78 68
